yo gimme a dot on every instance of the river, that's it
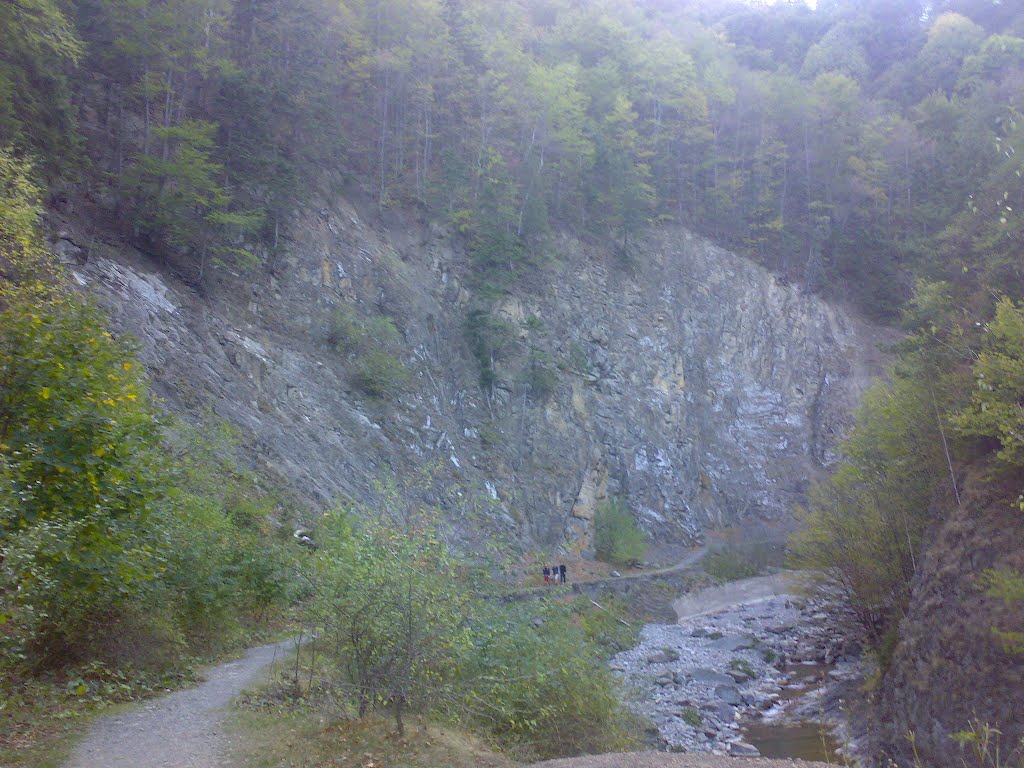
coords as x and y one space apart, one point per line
738 672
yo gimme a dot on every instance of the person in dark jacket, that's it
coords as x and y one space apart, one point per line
547 575
561 573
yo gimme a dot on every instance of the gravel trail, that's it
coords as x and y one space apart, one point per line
181 730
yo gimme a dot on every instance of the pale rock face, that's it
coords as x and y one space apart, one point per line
694 386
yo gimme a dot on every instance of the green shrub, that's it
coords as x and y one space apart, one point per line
579 361
742 665
374 342
392 609
380 374
345 333
541 376
490 340
535 324
617 538
995 410
536 682
606 625
691 716
729 564
490 436
85 481
405 629
865 526
110 547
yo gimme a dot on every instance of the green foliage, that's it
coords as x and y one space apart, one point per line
350 334
221 116
737 561
996 405
490 340
38 44
407 628
27 273
983 744
579 360
1007 586
380 374
864 526
541 376
109 549
392 603
82 476
528 688
742 665
178 200
373 344
691 716
617 538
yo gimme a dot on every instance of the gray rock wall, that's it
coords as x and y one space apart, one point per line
693 385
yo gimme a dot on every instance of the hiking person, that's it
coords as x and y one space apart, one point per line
561 573
547 575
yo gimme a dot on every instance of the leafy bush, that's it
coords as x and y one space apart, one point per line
373 344
691 716
742 560
864 527
407 630
490 340
346 332
537 682
742 665
579 360
541 376
605 625
108 549
380 374
177 199
995 410
617 538
390 605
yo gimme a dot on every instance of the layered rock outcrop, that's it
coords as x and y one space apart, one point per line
692 384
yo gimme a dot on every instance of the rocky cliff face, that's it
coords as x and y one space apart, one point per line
693 385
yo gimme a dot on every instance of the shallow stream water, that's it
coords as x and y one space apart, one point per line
807 741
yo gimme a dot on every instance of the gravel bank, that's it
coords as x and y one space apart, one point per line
697 680
664 760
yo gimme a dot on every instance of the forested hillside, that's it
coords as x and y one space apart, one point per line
868 151
839 146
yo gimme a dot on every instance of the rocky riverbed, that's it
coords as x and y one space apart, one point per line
769 657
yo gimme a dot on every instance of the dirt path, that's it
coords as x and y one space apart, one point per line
181 730
667 760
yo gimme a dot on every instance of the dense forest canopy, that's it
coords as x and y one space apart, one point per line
840 146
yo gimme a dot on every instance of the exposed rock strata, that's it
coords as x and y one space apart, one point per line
694 385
